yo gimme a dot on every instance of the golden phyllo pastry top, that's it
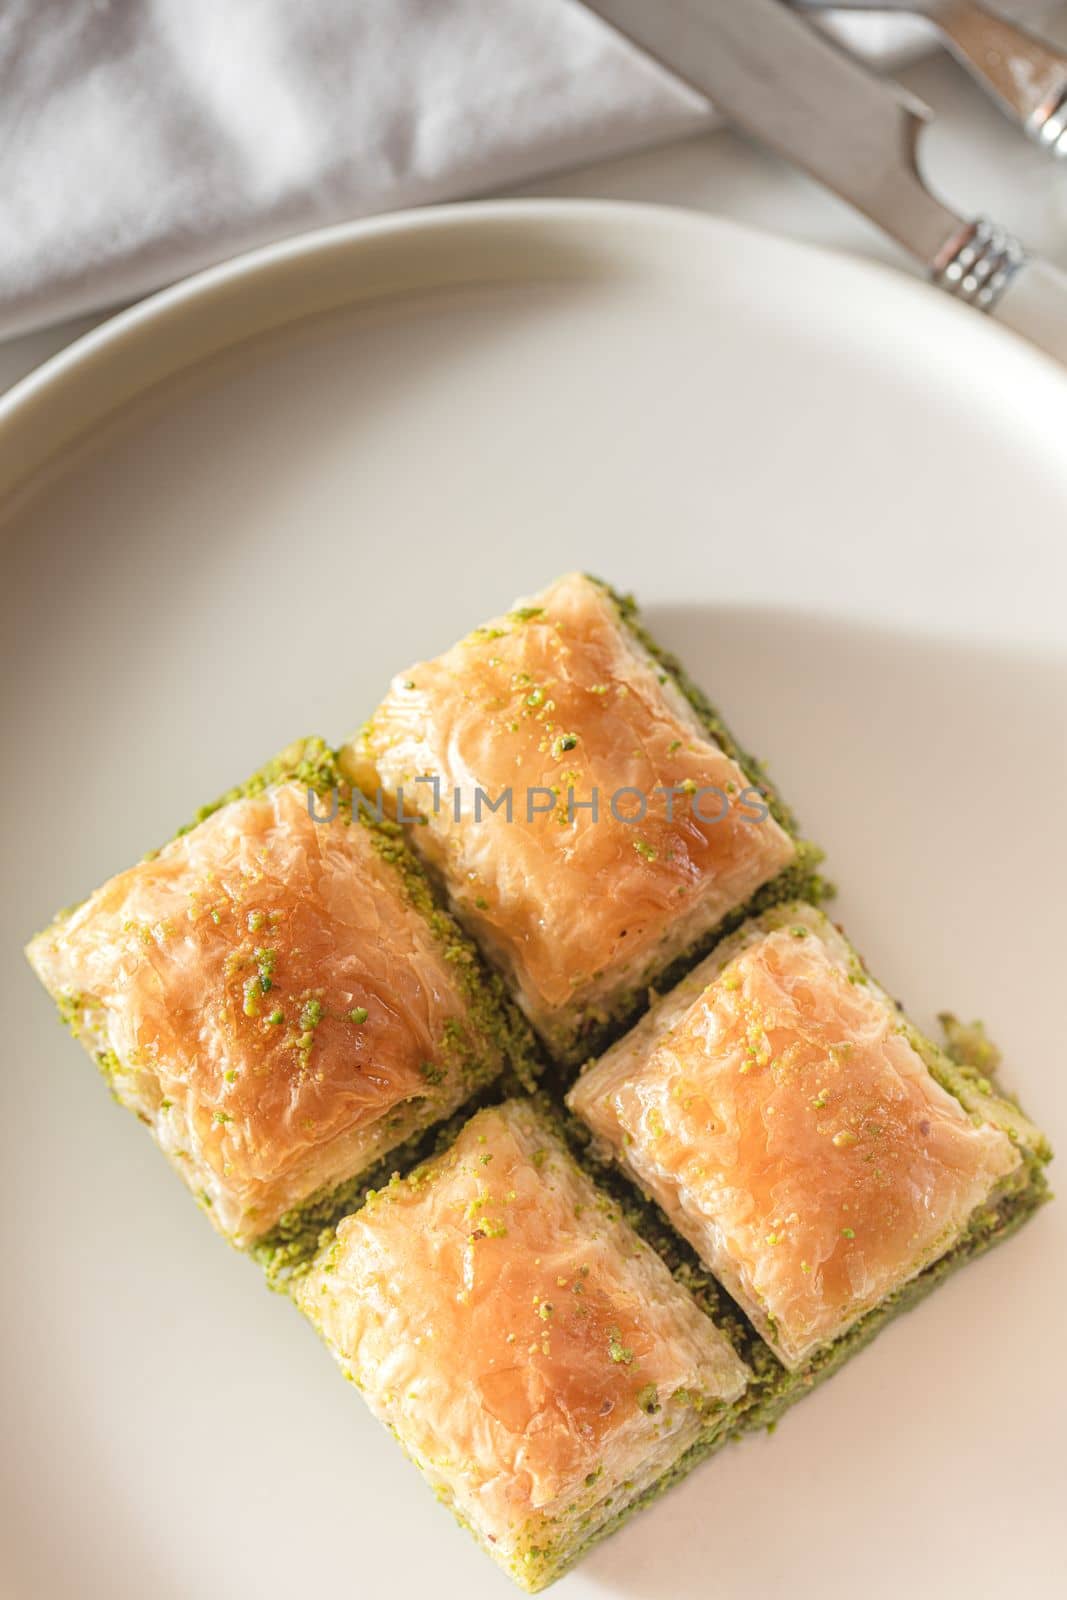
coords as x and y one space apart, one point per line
507 742
529 1351
776 1106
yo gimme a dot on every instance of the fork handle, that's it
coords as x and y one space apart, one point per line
1028 77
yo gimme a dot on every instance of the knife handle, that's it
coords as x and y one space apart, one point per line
986 267
977 263
1034 305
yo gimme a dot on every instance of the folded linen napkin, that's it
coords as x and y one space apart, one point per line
143 139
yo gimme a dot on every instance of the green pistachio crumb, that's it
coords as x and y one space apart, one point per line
617 1350
266 960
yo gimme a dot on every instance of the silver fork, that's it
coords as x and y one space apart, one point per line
1026 77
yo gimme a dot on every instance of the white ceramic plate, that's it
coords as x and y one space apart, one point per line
842 498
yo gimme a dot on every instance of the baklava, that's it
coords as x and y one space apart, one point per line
817 1152
533 1356
277 996
590 816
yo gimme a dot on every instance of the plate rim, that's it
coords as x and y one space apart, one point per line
35 430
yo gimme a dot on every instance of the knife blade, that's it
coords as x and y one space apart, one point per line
769 72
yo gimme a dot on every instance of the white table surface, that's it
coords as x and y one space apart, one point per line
978 160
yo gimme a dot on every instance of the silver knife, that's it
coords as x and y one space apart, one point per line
772 74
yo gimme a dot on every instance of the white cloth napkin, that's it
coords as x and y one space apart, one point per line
143 139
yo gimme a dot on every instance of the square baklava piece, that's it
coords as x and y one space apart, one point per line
588 813
818 1153
533 1356
277 996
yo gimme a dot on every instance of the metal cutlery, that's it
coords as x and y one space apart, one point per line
1026 77
770 72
